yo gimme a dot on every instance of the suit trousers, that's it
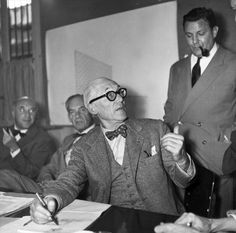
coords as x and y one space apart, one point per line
209 195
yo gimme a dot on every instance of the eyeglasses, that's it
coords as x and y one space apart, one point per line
111 95
23 110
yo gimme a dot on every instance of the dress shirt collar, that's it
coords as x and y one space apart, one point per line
87 130
21 130
84 132
117 145
204 60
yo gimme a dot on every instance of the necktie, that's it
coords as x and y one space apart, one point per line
120 130
196 71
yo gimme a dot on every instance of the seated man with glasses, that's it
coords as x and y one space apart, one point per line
132 163
24 146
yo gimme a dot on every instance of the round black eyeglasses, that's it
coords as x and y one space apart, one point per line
111 95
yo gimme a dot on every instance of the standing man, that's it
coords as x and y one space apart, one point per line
202 100
127 162
82 121
24 146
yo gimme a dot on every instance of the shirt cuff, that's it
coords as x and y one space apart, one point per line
191 169
15 153
231 213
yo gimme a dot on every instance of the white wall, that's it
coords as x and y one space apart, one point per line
139 46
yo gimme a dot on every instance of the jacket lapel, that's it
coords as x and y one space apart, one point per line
184 84
99 154
206 79
31 133
68 142
134 144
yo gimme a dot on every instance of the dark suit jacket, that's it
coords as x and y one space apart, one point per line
36 147
206 111
57 163
229 161
15 182
154 175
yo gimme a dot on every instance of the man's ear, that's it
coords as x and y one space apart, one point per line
13 113
92 109
69 118
215 31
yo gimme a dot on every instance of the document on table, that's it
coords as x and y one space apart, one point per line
73 218
11 204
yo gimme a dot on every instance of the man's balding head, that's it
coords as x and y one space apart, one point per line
111 112
95 88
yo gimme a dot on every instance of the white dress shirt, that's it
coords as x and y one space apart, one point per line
204 62
117 146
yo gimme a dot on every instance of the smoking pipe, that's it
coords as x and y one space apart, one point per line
205 52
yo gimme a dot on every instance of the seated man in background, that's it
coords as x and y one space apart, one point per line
24 146
191 223
131 163
82 121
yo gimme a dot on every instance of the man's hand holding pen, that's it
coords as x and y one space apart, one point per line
43 210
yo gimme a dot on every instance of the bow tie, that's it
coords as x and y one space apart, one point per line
120 130
16 132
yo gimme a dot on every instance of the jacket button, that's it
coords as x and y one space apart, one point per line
199 124
204 142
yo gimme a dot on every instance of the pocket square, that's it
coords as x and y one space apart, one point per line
153 150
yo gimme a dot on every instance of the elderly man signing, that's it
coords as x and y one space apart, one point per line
127 162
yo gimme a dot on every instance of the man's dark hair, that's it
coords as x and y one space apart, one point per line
70 98
200 13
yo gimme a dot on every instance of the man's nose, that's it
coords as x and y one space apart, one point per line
27 114
195 40
77 114
119 98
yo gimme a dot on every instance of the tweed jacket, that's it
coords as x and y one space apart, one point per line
207 111
153 175
36 148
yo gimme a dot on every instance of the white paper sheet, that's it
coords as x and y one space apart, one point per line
11 204
73 218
